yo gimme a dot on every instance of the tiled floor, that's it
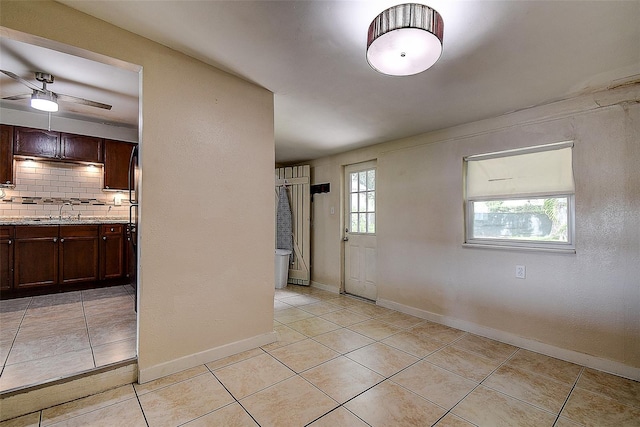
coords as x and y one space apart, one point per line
52 336
343 362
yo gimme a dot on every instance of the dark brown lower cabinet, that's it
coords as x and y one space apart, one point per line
6 258
35 257
112 260
51 258
78 254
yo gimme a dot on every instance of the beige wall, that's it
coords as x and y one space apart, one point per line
583 307
208 144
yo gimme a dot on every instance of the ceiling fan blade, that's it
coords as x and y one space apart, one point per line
76 100
18 97
27 83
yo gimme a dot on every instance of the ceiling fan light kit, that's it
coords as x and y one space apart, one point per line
405 39
44 101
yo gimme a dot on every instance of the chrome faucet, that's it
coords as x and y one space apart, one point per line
62 206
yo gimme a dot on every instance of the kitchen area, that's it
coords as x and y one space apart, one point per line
67 253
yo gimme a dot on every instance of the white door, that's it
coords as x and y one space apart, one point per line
360 250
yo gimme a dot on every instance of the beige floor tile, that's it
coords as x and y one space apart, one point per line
440 386
85 405
618 388
45 369
451 420
342 378
486 407
55 299
122 413
235 358
436 331
16 305
103 293
313 326
290 315
252 375
382 359
112 331
375 329
320 308
35 331
184 401
290 403
114 352
286 292
486 347
343 340
109 307
55 313
29 420
544 365
300 300
229 416
303 355
537 390
339 418
279 305
150 386
565 422
400 320
593 409
370 310
341 301
344 317
26 348
388 404
286 336
413 344
463 363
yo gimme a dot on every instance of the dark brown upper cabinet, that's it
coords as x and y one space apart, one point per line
80 148
6 155
116 164
57 145
36 143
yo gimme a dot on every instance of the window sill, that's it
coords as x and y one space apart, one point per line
519 248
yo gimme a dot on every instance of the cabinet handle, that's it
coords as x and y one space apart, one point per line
104 238
10 241
55 240
61 240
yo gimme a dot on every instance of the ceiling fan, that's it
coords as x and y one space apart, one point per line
45 99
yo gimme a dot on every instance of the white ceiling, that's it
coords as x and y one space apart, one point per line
499 56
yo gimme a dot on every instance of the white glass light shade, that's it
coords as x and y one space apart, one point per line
44 101
405 39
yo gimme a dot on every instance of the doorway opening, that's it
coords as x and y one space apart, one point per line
63 327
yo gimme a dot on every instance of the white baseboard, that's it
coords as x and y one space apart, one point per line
328 288
192 360
594 362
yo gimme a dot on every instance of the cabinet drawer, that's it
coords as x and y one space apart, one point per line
36 231
6 232
111 229
79 231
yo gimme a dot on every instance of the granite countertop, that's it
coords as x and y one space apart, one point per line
65 221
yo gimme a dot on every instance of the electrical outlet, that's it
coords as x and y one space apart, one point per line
332 210
521 272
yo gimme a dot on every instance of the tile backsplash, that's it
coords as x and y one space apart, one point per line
80 184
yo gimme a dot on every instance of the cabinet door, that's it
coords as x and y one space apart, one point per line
116 164
6 258
80 148
6 154
35 257
112 251
36 142
78 254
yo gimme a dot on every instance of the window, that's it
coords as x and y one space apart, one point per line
521 198
362 211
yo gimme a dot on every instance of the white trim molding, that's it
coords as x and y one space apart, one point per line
324 287
594 362
192 360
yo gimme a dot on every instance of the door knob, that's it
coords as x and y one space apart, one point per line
345 239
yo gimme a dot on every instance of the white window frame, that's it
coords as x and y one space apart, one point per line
358 168
520 244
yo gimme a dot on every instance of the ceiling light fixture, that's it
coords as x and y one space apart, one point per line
44 101
405 39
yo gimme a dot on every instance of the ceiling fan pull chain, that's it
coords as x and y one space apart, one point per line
49 127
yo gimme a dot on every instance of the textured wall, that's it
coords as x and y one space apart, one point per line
204 133
587 303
